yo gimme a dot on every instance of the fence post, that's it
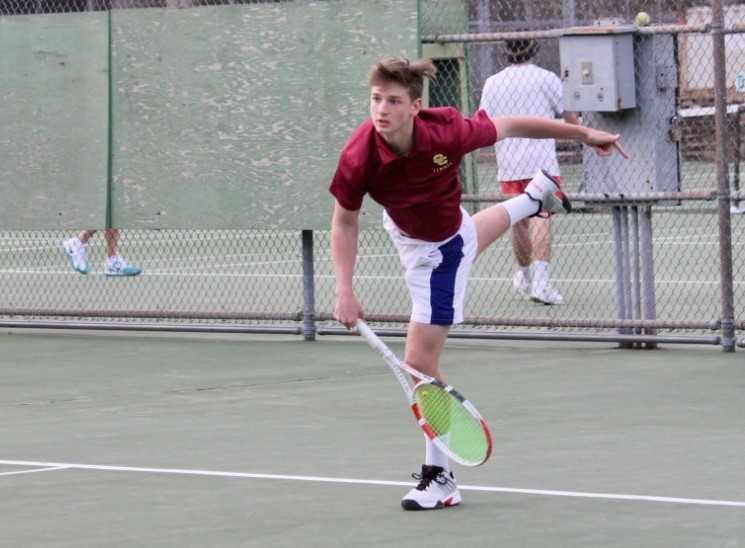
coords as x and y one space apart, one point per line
647 257
725 222
620 240
309 290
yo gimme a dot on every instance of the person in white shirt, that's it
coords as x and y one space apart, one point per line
525 89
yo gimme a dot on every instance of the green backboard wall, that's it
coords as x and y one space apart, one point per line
234 116
211 117
443 17
54 108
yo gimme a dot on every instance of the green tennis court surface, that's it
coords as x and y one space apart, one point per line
113 440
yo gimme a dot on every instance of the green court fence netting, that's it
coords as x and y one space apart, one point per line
653 254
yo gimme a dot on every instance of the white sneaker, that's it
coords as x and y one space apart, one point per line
521 285
545 190
542 292
117 266
75 251
436 489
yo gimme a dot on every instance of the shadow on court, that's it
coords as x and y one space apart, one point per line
122 440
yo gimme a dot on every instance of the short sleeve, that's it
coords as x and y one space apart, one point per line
487 101
555 95
348 185
475 131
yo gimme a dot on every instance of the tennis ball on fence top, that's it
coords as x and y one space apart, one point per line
642 19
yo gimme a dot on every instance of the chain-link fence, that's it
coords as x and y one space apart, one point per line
512 51
31 7
642 260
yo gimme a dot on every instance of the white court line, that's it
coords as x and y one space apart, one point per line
155 272
34 471
588 239
322 479
170 273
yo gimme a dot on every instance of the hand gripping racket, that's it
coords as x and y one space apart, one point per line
445 416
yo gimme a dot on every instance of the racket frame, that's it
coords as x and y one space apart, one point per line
399 368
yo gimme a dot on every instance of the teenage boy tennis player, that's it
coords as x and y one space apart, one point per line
406 157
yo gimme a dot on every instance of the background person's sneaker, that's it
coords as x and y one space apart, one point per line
521 285
75 251
117 266
542 292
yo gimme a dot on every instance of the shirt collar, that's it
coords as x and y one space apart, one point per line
421 143
421 136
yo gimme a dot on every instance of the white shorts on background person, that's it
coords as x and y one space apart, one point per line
436 272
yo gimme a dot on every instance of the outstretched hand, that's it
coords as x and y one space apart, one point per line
605 143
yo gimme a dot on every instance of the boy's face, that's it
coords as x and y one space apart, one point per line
391 109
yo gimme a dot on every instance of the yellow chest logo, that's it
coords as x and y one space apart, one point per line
441 162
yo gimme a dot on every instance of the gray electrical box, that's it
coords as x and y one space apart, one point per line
597 68
648 132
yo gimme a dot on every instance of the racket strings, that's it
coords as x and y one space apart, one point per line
451 423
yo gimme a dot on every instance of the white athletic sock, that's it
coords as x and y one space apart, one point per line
540 270
520 207
527 273
433 456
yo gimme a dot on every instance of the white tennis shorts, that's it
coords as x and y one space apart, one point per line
436 272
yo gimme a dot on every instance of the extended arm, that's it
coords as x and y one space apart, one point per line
344 234
570 117
534 127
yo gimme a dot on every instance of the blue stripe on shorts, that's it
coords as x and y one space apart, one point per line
442 282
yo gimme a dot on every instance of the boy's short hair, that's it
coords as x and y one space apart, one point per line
409 74
520 51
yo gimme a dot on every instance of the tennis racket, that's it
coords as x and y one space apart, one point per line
446 417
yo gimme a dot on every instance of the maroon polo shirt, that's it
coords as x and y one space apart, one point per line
420 191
